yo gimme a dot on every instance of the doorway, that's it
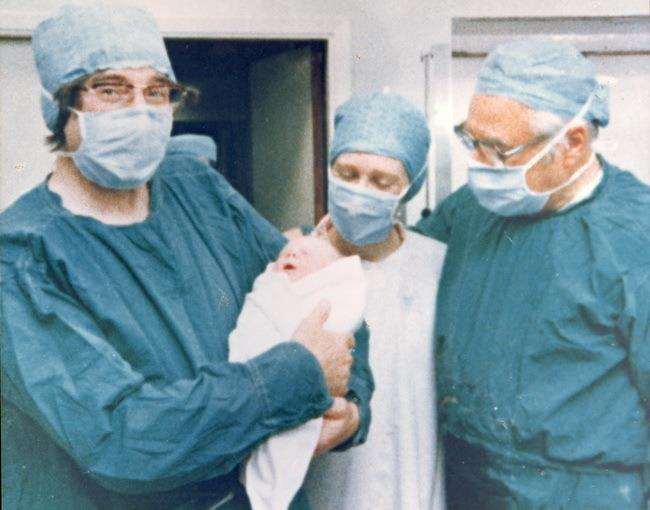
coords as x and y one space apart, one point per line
264 104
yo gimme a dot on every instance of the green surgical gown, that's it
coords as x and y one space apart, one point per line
116 390
543 351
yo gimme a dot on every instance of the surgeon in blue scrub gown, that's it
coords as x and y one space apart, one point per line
122 276
543 315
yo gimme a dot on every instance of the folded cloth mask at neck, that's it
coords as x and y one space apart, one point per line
121 149
361 215
503 189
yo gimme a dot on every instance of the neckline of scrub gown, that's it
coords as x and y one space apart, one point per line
55 203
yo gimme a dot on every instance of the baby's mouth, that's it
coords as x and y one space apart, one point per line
288 266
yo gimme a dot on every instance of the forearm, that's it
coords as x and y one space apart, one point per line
133 434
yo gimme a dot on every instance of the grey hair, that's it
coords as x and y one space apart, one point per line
547 124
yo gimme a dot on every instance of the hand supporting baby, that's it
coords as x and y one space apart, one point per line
332 350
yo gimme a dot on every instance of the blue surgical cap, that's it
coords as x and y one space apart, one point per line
199 146
545 75
79 40
386 125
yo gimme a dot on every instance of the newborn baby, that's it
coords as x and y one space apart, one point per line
307 271
305 255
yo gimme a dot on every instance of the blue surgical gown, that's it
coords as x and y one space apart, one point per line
543 351
116 388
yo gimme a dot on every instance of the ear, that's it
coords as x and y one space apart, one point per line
576 143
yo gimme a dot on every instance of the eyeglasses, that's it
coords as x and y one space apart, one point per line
123 93
492 151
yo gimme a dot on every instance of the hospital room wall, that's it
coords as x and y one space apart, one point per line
386 37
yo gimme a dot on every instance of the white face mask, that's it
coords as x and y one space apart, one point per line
121 149
504 190
361 215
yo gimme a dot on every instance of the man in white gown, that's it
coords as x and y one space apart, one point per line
378 161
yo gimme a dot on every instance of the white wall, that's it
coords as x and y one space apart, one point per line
561 8
22 166
387 37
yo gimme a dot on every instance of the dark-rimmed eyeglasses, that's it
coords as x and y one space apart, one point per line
160 94
494 152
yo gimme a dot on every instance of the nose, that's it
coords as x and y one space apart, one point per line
137 97
364 181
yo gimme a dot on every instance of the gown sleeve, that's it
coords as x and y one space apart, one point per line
131 434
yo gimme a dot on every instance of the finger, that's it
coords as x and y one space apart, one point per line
350 342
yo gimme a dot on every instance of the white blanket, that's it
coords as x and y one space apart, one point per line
271 313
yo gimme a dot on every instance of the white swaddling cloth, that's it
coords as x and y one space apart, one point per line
271 313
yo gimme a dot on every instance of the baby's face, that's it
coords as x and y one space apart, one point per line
305 255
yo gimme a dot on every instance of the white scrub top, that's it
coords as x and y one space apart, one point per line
399 467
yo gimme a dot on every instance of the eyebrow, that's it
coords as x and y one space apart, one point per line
108 77
162 79
121 79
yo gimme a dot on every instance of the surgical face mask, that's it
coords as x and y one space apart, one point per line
503 189
361 215
121 149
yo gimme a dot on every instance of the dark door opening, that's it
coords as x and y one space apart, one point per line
264 104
